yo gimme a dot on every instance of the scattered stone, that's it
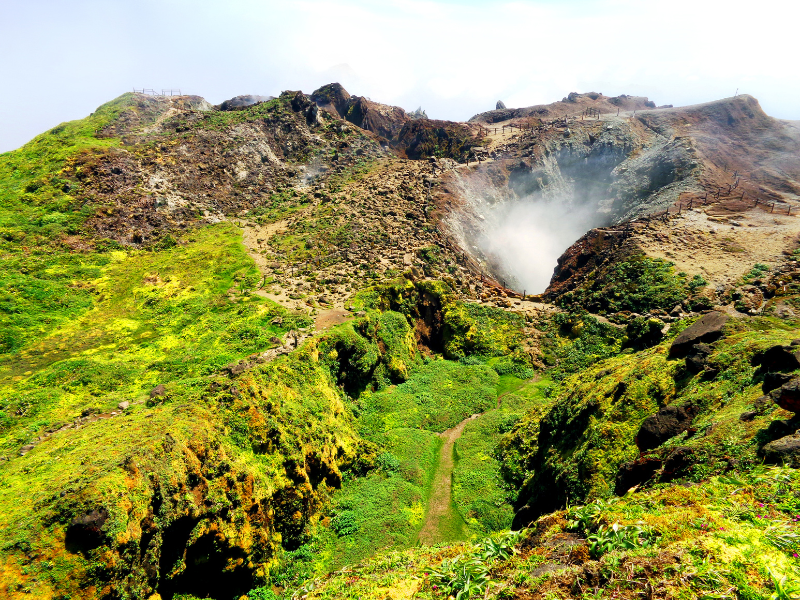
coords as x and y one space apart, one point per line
158 391
707 328
26 448
665 424
748 416
762 403
123 405
784 311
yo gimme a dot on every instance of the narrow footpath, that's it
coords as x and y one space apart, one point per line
443 522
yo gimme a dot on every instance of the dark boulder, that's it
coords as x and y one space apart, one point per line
678 463
635 473
772 381
778 358
500 105
781 427
697 359
707 328
158 391
665 424
785 450
788 395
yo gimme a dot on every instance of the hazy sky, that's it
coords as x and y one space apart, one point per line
63 58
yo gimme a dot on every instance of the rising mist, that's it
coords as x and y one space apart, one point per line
519 237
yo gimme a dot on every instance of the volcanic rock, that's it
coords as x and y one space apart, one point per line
707 328
678 463
788 395
785 450
778 358
158 391
332 98
665 424
697 359
772 381
635 473
86 531
500 105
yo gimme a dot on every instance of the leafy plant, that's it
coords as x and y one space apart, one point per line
500 547
784 588
461 577
783 537
619 537
586 518
388 463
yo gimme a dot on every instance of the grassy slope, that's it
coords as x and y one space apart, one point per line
480 493
729 538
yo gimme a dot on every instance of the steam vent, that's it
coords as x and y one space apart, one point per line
317 347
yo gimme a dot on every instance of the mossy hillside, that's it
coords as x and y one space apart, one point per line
386 508
638 284
730 535
576 448
574 341
249 466
154 317
285 433
41 214
457 329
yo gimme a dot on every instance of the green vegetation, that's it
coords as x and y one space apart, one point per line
639 284
481 495
698 542
155 443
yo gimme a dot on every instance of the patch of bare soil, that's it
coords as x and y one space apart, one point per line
329 318
721 248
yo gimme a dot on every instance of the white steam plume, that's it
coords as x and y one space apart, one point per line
519 238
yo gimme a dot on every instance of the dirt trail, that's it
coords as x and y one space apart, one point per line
441 511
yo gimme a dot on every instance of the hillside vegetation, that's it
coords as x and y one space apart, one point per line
240 358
